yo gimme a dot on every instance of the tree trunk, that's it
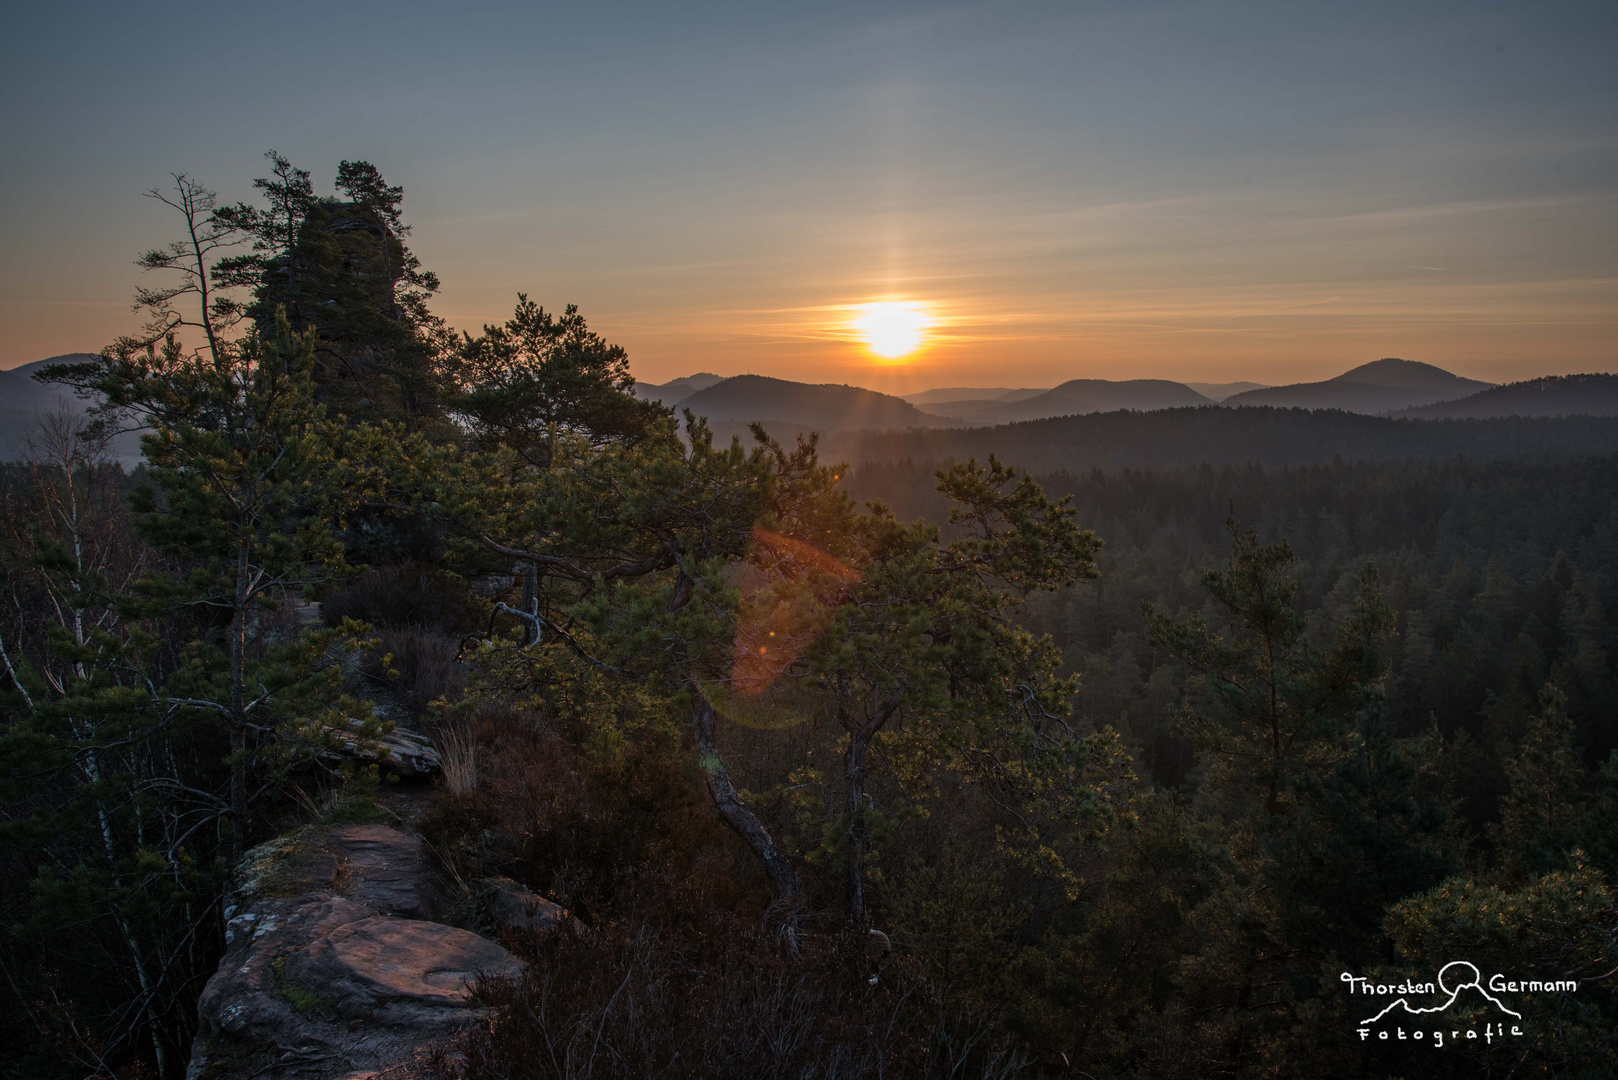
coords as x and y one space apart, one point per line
855 773
859 835
530 602
92 768
238 708
742 821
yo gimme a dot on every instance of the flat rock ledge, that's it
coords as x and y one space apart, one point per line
332 968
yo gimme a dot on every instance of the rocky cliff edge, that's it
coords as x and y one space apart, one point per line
333 968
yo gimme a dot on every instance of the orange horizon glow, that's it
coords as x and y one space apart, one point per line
1062 192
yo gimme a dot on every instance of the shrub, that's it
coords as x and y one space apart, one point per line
420 665
586 830
720 1001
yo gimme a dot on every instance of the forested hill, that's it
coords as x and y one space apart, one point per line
1075 397
23 401
677 390
1381 386
1219 436
825 407
1553 395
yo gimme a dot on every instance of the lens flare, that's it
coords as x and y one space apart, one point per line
775 626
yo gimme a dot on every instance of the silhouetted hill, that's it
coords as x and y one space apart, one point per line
1410 374
1553 395
677 390
22 400
1219 391
18 390
1217 436
1076 397
972 393
806 406
1382 386
965 409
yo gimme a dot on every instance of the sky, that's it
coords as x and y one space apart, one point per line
1210 191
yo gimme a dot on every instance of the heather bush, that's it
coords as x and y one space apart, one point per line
723 1000
419 664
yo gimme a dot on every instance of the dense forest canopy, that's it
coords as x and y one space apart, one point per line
1173 438
1499 576
1117 745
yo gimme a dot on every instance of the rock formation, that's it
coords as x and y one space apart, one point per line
512 909
332 968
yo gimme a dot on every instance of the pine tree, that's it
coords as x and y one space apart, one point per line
273 230
539 377
1277 707
921 635
241 497
1544 816
113 849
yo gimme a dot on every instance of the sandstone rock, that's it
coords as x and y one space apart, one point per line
374 865
289 865
330 968
400 973
383 868
244 999
401 751
410 753
512 908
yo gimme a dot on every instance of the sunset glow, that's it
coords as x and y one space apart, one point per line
968 196
892 329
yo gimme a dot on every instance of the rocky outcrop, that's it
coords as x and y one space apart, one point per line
332 967
512 909
406 754
403 974
409 754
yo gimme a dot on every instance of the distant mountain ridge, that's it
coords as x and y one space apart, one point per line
1217 391
19 390
972 393
1076 397
677 390
23 400
1382 386
1233 437
1593 394
807 406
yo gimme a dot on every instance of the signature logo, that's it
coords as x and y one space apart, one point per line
1459 981
1459 968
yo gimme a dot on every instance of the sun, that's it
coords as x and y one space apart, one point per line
892 328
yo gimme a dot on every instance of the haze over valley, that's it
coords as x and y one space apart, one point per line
1389 388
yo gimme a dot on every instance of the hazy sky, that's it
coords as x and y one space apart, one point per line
1210 191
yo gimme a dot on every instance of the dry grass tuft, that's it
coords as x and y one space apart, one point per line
459 758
